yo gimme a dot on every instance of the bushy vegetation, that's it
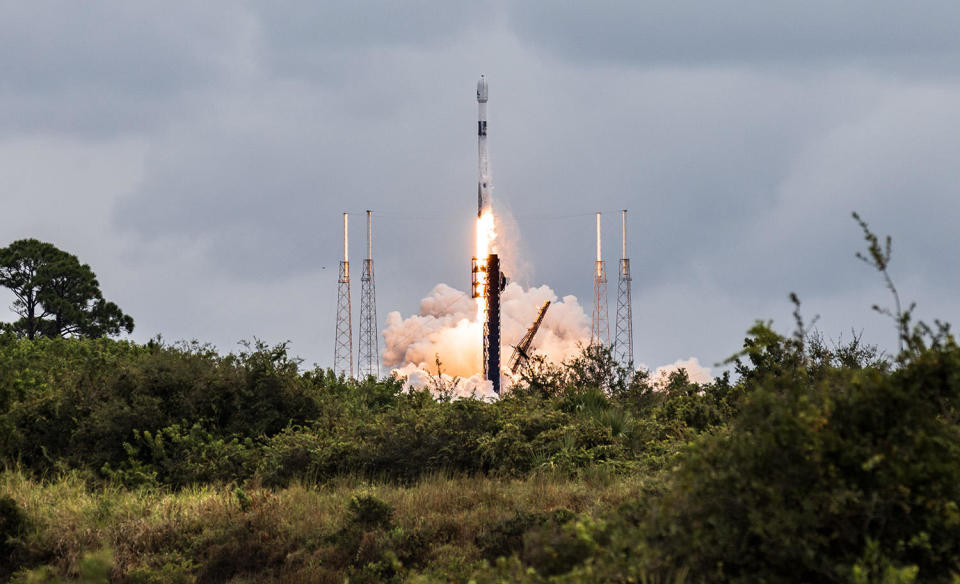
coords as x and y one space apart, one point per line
160 463
175 416
818 464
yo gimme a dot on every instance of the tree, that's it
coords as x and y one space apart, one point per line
55 294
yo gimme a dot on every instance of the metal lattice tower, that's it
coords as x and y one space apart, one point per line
600 333
623 340
487 282
368 355
343 346
521 352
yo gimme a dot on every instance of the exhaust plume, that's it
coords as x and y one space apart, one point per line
448 328
696 372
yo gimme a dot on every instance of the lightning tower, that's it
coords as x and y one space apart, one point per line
368 357
343 346
623 341
600 332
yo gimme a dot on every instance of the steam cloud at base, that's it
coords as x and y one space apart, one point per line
447 328
696 372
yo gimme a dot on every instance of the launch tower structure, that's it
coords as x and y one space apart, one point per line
600 331
488 283
368 354
491 326
343 345
521 352
623 339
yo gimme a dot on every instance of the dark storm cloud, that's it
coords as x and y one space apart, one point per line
106 68
696 156
295 25
740 135
321 41
690 32
135 47
263 176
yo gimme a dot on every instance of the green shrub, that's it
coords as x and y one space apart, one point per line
76 403
13 523
369 512
557 550
177 457
814 470
507 537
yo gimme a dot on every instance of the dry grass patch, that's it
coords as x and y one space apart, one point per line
298 533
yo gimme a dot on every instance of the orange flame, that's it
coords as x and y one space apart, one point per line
486 234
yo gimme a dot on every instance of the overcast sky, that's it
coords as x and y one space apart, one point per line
199 156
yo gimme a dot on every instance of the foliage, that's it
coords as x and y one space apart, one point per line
593 367
13 525
157 415
56 295
811 472
345 529
816 462
185 411
366 510
823 464
913 339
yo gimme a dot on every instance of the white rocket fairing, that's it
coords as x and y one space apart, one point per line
483 186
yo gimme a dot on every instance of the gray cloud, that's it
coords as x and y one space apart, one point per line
343 24
138 48
225 141
745 32
106 68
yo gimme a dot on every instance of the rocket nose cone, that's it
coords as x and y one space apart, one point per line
482 89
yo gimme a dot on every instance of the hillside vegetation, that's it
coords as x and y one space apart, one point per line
176 464
152 463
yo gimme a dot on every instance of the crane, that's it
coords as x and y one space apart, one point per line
521 352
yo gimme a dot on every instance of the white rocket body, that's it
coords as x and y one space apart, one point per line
484 187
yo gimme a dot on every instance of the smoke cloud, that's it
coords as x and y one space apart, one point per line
696 372
441 347
447 329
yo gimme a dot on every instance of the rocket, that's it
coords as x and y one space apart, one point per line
483 185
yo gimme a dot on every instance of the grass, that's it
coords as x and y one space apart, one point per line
239 534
